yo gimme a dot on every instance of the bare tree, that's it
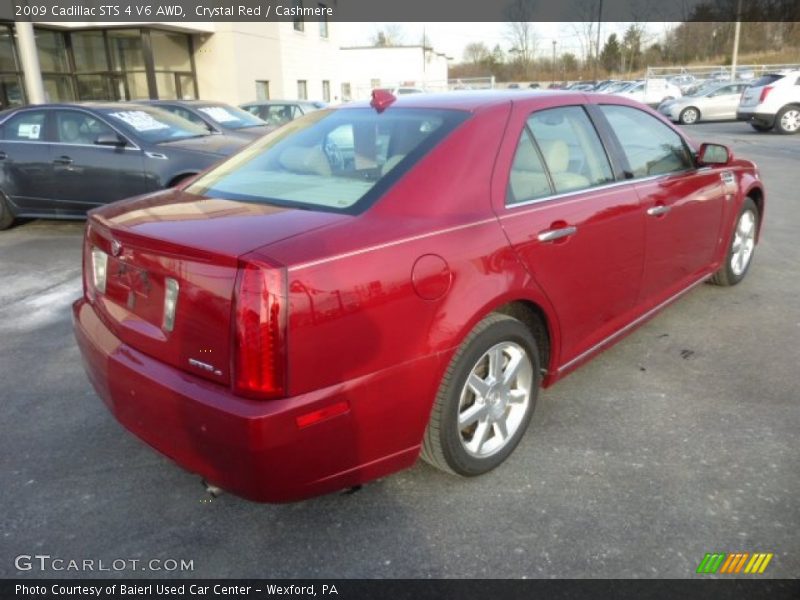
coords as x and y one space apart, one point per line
476 53
389 35
521 33
585 27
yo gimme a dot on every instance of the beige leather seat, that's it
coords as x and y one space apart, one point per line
556 155
527 179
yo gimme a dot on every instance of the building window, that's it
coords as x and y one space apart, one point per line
11 91
262 90
52 51
127 59
326 91
302 89
299 23
172 62
347 94
103 64
323 22
374 83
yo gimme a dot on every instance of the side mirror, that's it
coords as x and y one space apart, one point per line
110 139
714 154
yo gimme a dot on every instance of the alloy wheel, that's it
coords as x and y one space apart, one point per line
494 399
744 239
790 120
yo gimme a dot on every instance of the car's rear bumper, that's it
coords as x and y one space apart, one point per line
765 119
256 449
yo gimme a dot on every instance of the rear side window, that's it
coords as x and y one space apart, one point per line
27 126
571 148
767 79
339 160
75 127
184 114
650 147
279 114
528 179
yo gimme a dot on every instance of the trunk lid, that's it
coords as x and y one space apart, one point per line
196 242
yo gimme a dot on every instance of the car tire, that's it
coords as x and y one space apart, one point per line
6 216
689 115
176 181
760 127
787 121
479 418
742 247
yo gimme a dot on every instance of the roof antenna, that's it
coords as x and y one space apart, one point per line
381 99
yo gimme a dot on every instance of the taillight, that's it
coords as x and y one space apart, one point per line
764 93
99 269
260 336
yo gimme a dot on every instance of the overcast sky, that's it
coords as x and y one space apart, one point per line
451 38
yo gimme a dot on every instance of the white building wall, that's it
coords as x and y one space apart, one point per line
308 56
230 61
393 66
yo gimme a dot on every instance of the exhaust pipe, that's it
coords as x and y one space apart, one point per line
212 490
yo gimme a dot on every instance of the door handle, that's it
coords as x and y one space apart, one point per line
660 209
63 160
556 234
3 155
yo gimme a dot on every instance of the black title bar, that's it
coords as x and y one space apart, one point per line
608 589
178 11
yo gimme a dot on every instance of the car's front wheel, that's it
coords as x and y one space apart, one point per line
787 120
485 400
6 216
689 115
743 244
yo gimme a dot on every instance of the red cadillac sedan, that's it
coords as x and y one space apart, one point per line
397 278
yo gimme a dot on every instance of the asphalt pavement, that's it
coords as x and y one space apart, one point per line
680 440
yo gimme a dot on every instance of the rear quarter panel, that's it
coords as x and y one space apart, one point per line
354 305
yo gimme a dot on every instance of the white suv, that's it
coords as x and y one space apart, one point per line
772 101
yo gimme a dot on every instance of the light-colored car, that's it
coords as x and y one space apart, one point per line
280 112
714 102
651 91
684 81
617 87
772 101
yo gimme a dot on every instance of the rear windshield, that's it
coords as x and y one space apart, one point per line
767 79
336 160
153 125
230 116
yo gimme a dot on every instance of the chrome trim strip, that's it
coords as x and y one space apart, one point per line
135 148
600 188
414 238
607 186
631 325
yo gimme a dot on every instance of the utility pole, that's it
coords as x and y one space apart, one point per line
554 61
597 45
736 39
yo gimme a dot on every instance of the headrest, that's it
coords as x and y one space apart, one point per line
556 155
298 159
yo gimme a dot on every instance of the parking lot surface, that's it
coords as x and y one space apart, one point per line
680 440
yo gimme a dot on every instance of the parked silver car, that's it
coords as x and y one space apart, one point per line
712 102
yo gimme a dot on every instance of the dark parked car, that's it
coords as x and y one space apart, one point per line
279 112
217 117
311 323
60 160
